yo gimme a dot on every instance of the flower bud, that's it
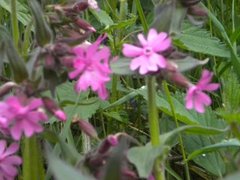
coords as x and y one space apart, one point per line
84 25
80 6
52 107
197 11
5 88
189 3
87 128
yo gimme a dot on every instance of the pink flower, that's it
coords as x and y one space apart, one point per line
8 161
91 68
146 57
23 116
195 97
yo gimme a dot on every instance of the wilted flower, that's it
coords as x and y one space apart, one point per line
146 58
21 115
8 161
91 68
195 97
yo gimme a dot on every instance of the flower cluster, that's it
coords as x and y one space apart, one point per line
147 59
91 68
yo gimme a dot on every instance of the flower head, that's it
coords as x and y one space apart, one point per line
22 115
8 161
146 57
195 97
91 68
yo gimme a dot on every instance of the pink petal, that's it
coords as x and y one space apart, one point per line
8 169
152 35
60 115
190 97
14 160
3 145
198 106
158 60
103 55
102 93
35 103
204 98
205 78
11 149
131 51
74 74
142 40
16 132
162 43
137 62
211 87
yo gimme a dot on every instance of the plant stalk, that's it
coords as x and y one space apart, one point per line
14 22
154 125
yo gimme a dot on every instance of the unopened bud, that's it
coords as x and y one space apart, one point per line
53 108
80 6
5 88
197 11
110 141
84 25
189 3
87 128
178 79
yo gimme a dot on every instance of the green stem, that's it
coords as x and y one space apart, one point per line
154 125
177 125
32 160
14 21
141 15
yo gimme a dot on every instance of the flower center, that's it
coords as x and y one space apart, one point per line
147 51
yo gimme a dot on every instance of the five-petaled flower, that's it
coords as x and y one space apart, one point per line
8 161
195 97
91 67
21 115
147 57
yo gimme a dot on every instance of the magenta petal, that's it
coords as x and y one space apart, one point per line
190 97
137 62
16 132
198 106
8 169
211 87
2 146
142 40
74 74
131 51
204 98
35 103
158 60
11 149
152 35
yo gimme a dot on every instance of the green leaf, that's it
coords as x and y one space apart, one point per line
43 32
188 63
200 40
197 129
63 171
234 176
225 144
17 64
121 66
103 17
84 109
143 158
22 12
